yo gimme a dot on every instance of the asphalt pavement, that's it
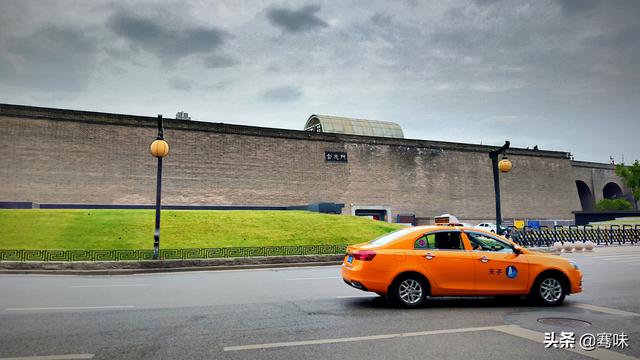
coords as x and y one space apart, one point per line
308 313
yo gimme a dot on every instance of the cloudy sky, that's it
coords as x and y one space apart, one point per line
560 74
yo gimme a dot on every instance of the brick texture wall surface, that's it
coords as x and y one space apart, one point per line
54 157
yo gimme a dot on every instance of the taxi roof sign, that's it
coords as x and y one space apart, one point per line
446 219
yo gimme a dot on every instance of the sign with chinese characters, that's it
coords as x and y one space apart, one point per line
335 156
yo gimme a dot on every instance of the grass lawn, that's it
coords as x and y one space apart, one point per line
619 221
133 229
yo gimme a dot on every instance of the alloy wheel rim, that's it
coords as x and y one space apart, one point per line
551 290
410 291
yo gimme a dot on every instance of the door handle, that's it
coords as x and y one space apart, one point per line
484 259
429 256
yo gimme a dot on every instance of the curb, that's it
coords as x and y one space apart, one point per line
165 266
166 270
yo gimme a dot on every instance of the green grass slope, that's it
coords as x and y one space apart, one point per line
618 221
133 229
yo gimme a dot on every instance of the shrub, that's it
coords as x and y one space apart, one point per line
613 204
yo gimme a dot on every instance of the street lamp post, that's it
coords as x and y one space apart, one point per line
503 165
159 148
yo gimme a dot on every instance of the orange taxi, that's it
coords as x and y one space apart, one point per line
410 264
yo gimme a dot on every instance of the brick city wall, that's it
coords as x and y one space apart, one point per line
63 156
596 176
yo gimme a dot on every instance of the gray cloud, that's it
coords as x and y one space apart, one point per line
179 83
552 67
628 37
295 21
51 57
282 94
217 86
485 2
381 19
216 61
577 6
166 42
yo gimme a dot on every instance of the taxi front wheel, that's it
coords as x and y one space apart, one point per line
549 290
409 291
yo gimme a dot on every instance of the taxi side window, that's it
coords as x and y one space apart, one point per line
427 241
481 242
448 240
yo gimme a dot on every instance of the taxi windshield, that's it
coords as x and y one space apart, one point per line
385 239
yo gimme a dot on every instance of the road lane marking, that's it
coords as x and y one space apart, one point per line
514 330
109 286
356 296
71 308
352 339
603 309
274 269
53 357
315 278
597 353
611 257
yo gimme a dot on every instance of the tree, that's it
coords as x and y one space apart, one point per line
613 205
630 176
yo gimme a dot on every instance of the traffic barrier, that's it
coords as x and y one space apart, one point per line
545 237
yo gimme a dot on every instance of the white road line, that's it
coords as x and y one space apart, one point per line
275 269
315 278
603 309
355 296
514 330
627 261
71 308
110 285
352 339
597 353
601 255
611 257
53 357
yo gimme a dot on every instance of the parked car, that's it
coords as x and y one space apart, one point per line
487 226
411 264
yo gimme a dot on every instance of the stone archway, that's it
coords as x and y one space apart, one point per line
612 191
587 200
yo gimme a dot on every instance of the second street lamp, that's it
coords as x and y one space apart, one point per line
505 166
159 149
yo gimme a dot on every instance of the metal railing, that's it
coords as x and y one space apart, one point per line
545 236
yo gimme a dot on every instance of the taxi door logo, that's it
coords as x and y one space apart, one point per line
511 272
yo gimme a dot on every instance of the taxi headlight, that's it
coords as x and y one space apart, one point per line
574 264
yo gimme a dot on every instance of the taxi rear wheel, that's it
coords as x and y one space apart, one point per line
550 290
409 291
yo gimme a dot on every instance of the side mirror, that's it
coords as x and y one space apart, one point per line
517 250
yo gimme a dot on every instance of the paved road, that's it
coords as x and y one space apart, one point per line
299 313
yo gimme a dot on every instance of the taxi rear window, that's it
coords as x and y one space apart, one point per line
385 239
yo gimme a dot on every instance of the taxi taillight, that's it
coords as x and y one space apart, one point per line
363 255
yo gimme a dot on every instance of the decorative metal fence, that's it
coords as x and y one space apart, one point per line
169 254
544 236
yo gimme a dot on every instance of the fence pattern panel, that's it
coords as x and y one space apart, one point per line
169 254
